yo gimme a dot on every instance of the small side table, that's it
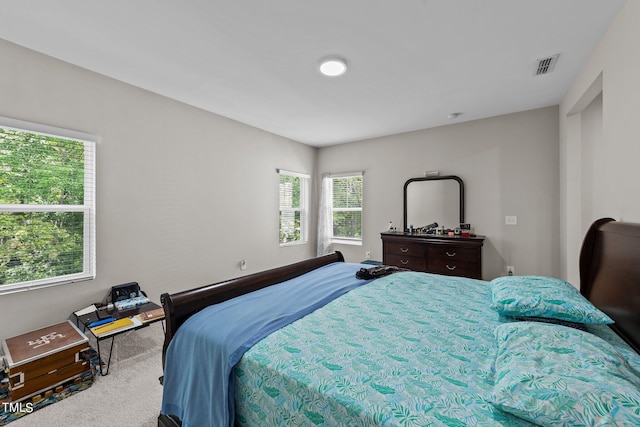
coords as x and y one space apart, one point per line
102 313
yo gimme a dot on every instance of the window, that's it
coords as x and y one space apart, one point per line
47 207
347 207
294 207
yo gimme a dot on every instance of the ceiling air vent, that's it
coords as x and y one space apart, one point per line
545 65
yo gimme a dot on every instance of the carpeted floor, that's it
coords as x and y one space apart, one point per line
130 395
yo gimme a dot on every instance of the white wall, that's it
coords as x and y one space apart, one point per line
509 165
600 145
182 195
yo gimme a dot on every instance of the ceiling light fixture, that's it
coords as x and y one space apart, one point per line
333 67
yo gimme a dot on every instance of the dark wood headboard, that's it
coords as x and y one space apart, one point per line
610 274
180 306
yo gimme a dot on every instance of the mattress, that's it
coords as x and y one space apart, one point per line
408 349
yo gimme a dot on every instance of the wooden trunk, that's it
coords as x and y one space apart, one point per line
42 359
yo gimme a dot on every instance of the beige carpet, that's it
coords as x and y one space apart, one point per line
130 395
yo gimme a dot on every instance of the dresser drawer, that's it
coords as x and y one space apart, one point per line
454 268
405 249
410 262
453 253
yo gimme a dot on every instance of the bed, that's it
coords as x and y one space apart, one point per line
310 344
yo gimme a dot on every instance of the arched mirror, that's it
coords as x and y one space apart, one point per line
430 199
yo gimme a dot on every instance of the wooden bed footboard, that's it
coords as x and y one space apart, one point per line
180 306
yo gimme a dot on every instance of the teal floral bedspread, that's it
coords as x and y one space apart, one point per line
423 356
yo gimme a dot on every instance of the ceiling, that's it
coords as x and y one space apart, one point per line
410 62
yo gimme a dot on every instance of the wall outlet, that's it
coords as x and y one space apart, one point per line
511 220
511 270
243 264
368 254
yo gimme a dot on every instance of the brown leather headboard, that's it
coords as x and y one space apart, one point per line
610 274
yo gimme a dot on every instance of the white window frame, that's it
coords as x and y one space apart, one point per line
303 209
346 240
88 207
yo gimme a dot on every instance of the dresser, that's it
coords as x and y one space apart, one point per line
453 256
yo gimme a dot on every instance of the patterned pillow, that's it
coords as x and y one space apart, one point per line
553 375
543 297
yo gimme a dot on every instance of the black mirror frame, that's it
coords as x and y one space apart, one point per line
432 178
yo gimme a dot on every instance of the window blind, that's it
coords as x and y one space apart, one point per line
293 193
347 206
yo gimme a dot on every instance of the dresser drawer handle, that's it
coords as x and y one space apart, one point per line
450 254
404 261
451 268
404 250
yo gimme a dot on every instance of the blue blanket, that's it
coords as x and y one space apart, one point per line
202 354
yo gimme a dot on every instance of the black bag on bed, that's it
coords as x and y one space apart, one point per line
378 271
